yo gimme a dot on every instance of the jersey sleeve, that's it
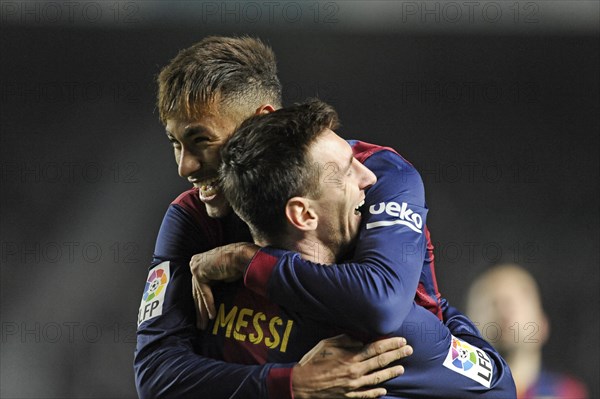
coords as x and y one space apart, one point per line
488 367
373 293
450 360
165 363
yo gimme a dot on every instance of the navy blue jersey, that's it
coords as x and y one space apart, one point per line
450 360
393 258
167 363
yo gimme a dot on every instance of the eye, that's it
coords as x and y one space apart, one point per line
174 143
200 139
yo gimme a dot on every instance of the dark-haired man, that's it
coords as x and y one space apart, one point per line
204 93
271 177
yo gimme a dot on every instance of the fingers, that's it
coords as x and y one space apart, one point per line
201 312
378 363
382 353
371 393
374 379
382 346
199 265
342 367
207 299
195 263
386 358
380 376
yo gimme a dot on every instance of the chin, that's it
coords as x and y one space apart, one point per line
218 211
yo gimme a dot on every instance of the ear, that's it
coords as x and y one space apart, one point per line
264 109
300 214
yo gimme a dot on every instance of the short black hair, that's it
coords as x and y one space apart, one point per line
266 162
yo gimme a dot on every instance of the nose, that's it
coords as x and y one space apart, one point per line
187 164
367 178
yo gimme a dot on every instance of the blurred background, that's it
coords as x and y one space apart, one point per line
495 102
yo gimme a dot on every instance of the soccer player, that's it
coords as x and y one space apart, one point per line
271 176
204 93
197 133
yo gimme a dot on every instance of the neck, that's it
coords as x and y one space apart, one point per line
309 248
525 367
315 251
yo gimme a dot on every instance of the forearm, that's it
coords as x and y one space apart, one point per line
172 370
374 291
371 294
367 297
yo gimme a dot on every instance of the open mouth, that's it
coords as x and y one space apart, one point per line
208 189
358 210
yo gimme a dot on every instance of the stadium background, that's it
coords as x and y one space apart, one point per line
496 103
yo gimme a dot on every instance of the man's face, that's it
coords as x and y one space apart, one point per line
196 143
343 180
508 309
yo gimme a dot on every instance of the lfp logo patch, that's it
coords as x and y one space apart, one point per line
469 361
154 292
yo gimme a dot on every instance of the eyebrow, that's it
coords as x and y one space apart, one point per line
349 163
191 130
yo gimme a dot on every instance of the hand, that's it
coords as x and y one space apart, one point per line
226 263
341 367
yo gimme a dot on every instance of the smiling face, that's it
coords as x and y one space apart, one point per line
203 94
196 145
343 181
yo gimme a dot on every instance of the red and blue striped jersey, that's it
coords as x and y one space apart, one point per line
284 307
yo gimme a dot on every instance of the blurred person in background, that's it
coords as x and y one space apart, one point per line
506 299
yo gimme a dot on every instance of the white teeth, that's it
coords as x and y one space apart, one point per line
356 210
208 184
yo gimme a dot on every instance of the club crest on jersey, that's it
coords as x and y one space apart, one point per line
469 361
403 214
154 292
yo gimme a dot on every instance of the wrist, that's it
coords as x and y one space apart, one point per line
279 383
244 256
296 382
